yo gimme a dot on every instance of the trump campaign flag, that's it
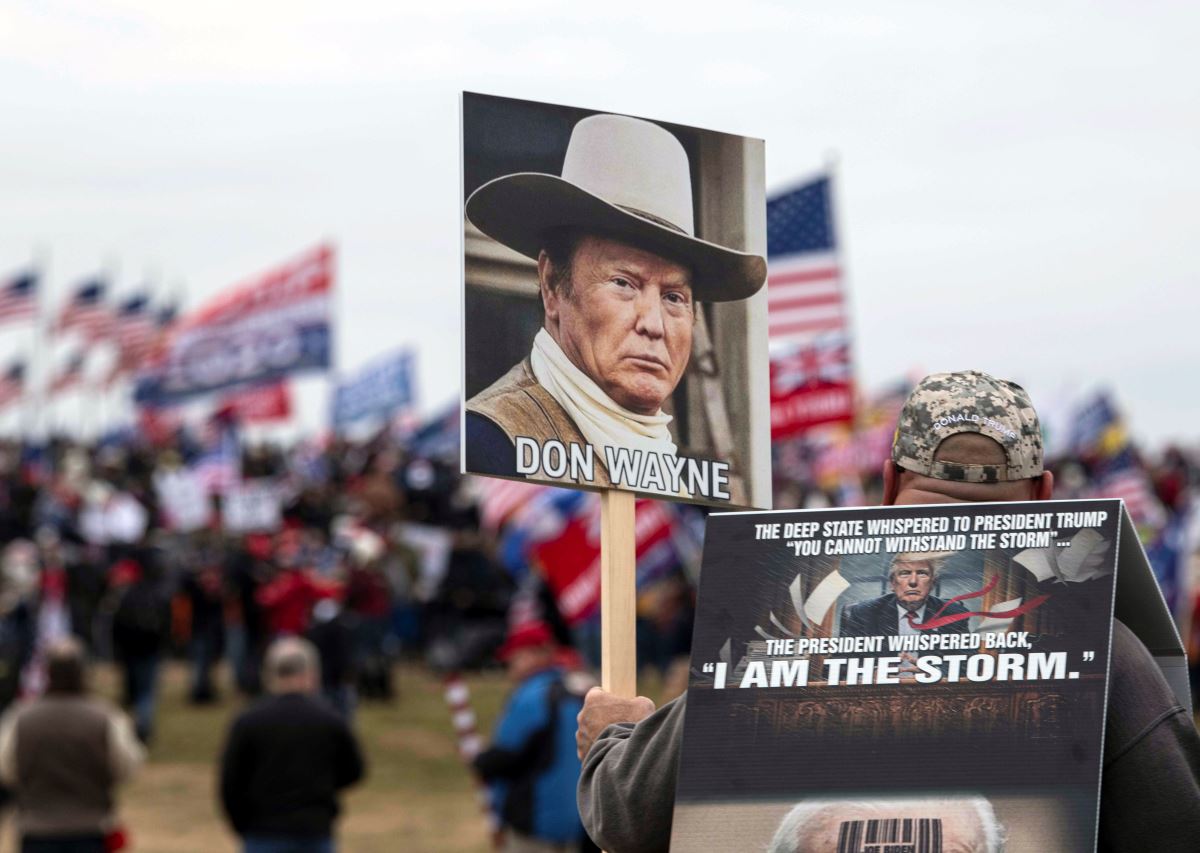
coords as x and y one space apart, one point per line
275 325
379 390
811 376
258 404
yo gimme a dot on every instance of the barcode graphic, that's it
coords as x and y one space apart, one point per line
891 835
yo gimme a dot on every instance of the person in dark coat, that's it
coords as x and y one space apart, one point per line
287 758
141 626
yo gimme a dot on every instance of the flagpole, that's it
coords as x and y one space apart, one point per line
37 379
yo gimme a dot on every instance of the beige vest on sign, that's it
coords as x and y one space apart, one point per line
520 406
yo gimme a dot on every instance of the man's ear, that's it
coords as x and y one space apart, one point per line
550 297
1043 487
891 483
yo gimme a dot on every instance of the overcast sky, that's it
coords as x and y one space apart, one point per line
1019 181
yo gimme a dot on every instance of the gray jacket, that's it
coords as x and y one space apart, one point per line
1150 785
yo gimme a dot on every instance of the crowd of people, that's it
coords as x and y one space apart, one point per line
369 551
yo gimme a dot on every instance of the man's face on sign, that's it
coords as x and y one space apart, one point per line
624 317
959 823
911 582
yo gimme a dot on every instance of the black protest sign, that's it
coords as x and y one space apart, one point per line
908 679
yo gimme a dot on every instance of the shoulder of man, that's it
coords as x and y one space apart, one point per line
626 793
882 604
1150 787
518 405
531 694
490 450
316 715
515 381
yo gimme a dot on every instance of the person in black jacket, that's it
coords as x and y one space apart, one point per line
286 759
141 626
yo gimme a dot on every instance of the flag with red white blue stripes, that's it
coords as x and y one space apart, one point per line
811 370
70 376
18 297
87 312
12 383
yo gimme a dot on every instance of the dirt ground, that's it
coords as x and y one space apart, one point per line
417 797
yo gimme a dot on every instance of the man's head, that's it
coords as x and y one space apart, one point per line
619 261
966 824
528 649
622 314
912 576
66 670
292 666
966 436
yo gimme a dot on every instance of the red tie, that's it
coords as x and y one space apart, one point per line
911 616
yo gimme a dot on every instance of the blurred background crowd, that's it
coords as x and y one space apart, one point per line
198 546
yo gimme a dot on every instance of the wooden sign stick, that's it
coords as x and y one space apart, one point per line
618 594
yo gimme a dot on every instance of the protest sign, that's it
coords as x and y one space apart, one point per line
614 320
276 325
182 500
251 506
615 313
904 676
377 391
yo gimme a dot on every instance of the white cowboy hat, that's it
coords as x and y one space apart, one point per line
623 177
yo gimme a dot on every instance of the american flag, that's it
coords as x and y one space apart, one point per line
1123 476
500 499
804 281
12 383
70 376
87 312
135 325
1132 485
18 297
135 331
811 377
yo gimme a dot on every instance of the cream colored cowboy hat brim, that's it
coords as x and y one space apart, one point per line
519 210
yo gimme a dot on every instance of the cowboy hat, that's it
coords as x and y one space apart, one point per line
621 177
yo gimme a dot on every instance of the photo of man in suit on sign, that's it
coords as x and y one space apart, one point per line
903 611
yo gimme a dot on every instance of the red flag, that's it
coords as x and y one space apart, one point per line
571 562
258 403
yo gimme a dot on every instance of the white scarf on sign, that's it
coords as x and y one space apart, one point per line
602 421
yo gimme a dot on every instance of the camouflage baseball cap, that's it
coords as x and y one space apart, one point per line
944 404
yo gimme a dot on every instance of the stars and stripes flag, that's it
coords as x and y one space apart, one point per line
18 297
811 370
501 499
70 376
86 311
1122 475
163 320
135 330
135 325
12 383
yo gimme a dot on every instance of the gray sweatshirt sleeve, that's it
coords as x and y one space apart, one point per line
627 786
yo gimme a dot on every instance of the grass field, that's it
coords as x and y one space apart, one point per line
417 796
